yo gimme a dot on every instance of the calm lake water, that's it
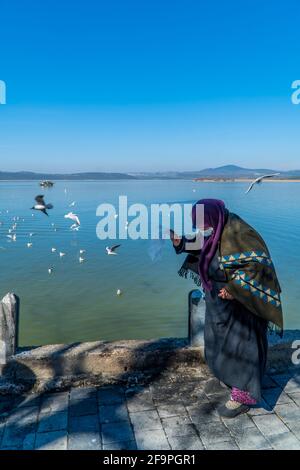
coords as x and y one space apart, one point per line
78 301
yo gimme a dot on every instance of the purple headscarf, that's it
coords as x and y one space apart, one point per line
215 217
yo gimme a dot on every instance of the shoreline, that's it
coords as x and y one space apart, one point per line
195 180
246 180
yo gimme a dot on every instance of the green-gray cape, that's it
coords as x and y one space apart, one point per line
250 273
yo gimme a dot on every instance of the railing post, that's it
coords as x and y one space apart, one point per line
196 318
9 326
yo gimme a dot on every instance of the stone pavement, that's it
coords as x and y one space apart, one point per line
174 411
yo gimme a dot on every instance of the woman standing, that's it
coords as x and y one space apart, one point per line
242 296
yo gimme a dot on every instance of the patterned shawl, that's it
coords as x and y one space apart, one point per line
250 273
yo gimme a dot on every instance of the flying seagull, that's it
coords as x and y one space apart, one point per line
75 227
73 217
41 206
259 180
111 250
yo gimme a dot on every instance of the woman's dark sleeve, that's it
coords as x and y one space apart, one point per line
182 247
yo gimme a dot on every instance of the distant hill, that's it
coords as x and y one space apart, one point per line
27 175
226 171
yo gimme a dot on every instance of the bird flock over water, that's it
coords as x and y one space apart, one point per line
41 206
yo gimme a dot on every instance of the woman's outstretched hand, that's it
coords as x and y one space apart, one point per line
223 294
175 238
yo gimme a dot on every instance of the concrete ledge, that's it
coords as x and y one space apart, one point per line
62 365
58 366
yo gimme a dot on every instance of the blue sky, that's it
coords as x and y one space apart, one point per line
148 85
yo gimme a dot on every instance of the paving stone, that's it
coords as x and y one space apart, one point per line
20 422
284 441
239 424
142 402
295 397
83 407
270 424
178 425
79 424
113 413
288 412
129 445
214 386
290 415
212 432
29 441
146 420
2 426
33 399
204 412
120 433
111 395
84 433
55 402
225 445
87 440
176 421
275 396
53 421
290 384
150 440
262 408
85 393
191 442
167 411
56 440
252 439
23 416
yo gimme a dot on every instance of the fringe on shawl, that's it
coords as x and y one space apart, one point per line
184 272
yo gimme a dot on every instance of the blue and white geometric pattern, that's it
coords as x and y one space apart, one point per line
258 290
247 256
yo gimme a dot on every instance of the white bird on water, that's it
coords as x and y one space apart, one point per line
61 254
50 270
53 250
81 260
12 237
259 180
81 252
29 245
119 292
111 250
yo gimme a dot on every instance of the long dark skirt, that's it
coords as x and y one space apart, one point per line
235 343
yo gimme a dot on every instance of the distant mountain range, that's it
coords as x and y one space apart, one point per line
227 172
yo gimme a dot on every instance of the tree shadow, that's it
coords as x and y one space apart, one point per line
87 412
